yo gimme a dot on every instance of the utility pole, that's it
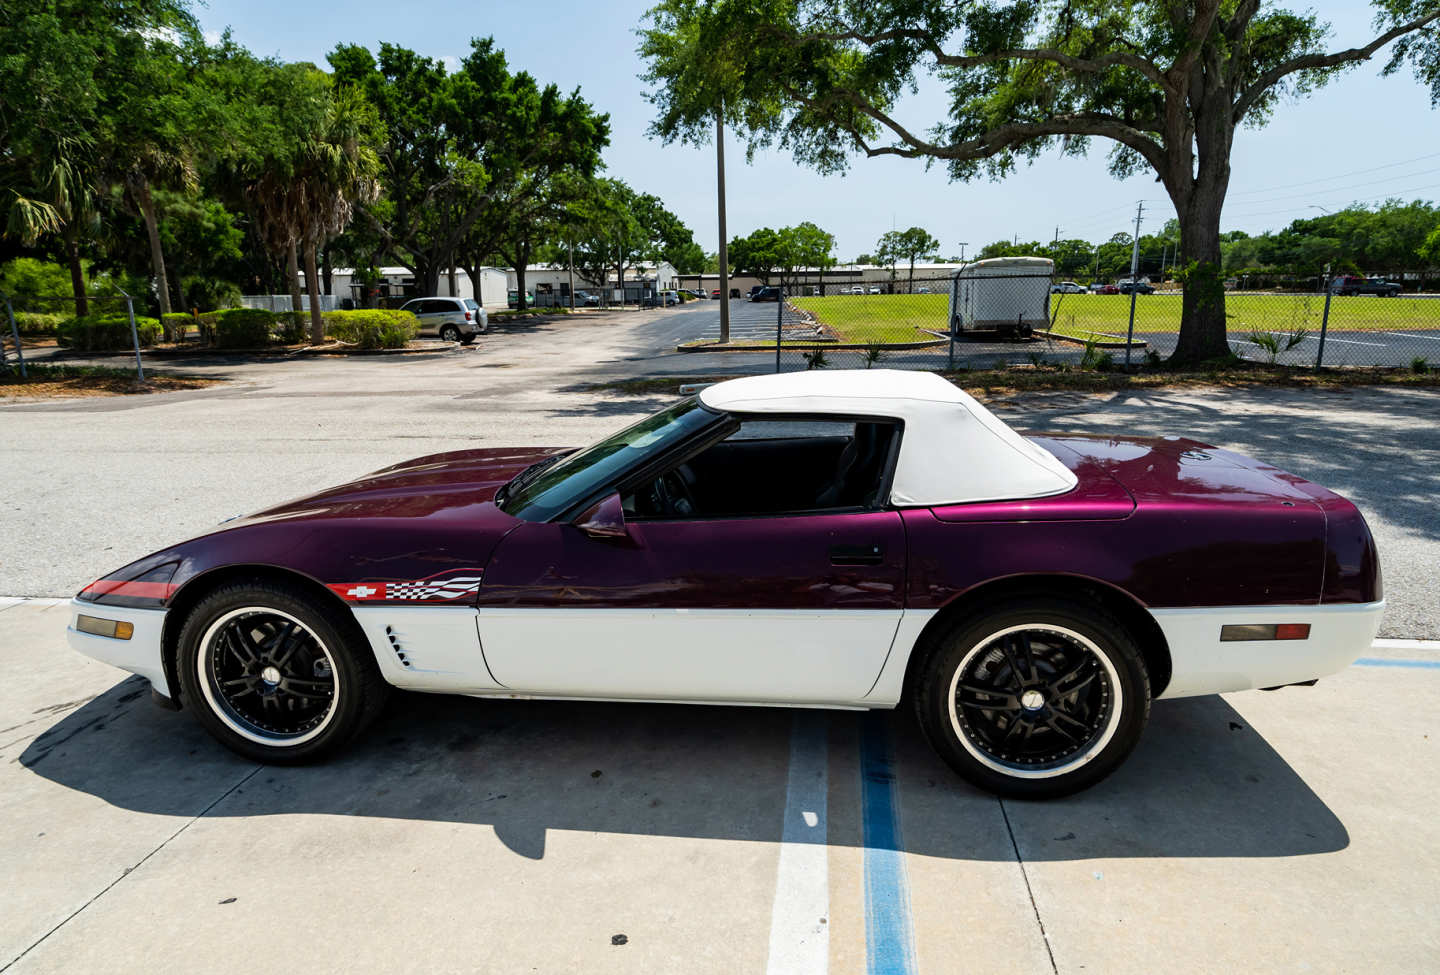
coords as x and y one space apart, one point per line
1057 235
724 246
962 251
572 274
1134 272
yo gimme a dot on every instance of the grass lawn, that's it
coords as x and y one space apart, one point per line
44 381
861 319
899 318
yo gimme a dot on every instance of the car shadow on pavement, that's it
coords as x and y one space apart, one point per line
1201 784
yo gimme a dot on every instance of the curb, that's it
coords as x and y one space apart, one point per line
795 344
1119 343
172 355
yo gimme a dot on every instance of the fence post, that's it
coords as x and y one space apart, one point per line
134 336
15 334
779 319
1324 324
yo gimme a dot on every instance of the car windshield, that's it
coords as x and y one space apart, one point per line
541 494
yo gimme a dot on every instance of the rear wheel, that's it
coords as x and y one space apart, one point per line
450 333
276 675
1038 699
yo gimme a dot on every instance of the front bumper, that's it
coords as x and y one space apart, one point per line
141 654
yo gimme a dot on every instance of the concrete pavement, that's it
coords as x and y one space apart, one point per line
1291 831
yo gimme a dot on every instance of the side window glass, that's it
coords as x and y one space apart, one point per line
773 467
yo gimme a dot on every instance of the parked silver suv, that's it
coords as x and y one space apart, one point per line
453 319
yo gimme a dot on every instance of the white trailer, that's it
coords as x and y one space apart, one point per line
1008 296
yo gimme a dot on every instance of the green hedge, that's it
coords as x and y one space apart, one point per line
38 322
372 328
242 328
294 326
96 333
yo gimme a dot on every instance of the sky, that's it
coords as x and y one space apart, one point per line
1362 138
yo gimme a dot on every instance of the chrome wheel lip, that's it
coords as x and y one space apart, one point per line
226 714
1112 722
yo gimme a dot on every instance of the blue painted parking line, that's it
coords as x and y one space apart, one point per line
889 935
1387 662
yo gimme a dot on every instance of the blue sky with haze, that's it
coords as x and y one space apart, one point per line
1362 138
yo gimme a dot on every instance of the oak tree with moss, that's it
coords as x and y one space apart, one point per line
1166 83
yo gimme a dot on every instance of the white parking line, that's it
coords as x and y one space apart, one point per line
1428 338
1407 644
800 919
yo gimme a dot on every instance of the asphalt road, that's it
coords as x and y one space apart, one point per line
93 483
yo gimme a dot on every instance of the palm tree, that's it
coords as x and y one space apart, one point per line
307 196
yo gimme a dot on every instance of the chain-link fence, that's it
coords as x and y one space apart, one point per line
109 323
979 318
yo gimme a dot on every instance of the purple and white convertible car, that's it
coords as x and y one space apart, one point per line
837 539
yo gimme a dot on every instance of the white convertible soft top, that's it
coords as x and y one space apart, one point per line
953 449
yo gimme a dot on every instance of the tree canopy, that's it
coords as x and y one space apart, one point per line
1165 84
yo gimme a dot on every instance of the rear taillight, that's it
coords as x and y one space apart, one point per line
467 316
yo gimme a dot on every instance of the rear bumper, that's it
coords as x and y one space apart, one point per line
1203 664
141 654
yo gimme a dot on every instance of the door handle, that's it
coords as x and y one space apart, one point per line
871 554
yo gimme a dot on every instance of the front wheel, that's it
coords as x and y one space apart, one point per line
1038 699
275 674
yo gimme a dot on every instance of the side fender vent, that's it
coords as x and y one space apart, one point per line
398 648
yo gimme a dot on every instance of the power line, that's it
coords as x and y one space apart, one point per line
1312 194
1353 202
1327 179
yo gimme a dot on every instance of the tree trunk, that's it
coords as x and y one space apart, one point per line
140 190
451 272
520 286
292 275
910 288
473 273
312 289
325 270
1202 316
77 274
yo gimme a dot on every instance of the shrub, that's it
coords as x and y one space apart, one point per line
176 323
1419 365
38 322
293 326
208 294
97 333
372 328
243 328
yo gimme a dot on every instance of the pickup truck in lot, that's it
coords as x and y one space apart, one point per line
1353 284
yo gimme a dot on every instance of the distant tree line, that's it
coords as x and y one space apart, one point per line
134 154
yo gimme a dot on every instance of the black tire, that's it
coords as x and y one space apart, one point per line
305 645
470 339
450 333
1077 681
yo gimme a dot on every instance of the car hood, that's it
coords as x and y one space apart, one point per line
419 488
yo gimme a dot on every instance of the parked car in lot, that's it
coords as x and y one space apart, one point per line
848 538
1066 288
587 298
1102 288
1350 284
452 319
715 293
765 294
856 290
1140 287
513 298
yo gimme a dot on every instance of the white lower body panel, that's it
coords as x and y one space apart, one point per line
1203 664
141 654
797 656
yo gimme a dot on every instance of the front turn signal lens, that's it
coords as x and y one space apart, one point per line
114 629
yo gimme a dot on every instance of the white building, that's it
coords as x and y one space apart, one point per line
397 284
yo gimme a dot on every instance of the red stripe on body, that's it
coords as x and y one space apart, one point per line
138 590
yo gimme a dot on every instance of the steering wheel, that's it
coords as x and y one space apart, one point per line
672 492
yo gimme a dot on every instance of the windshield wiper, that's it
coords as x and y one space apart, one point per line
523 478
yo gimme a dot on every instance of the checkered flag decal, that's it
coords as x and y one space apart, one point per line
453 588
